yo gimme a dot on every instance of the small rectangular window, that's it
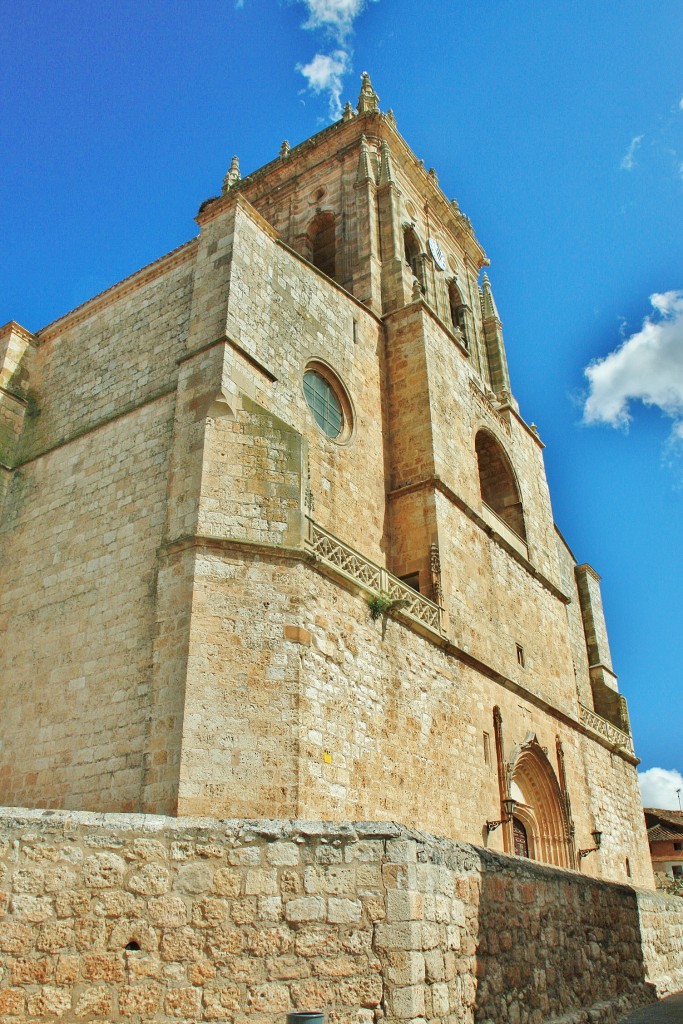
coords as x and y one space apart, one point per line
520 655
355 332
678 846
628 868
677 870
487 748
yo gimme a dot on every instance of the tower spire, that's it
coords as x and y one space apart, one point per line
489 303
364 169
386 167
368 101
233 175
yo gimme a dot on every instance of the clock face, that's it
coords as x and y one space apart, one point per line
438 255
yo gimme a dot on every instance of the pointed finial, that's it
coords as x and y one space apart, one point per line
432 174
284 149
489 303
386 168
368 101
454 206
348 111
391 118
233 175
364 169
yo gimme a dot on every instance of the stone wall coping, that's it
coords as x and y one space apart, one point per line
437 849
137 279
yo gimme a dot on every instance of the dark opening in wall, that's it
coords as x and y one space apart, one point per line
412 580
323 241
497 483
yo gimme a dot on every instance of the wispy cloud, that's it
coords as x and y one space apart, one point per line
658 788
647 367
325 72
629 159
337 16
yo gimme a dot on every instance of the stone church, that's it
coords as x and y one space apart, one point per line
277 542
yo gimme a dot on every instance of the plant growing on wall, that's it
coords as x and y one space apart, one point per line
380 603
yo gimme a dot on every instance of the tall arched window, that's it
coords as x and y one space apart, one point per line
497 483
323 242
458 311
413 254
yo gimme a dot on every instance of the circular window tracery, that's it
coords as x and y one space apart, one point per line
328 402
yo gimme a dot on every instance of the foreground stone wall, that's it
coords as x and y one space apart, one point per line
151 919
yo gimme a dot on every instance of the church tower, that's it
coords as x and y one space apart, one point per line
285 538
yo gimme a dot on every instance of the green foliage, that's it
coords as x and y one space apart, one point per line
380 603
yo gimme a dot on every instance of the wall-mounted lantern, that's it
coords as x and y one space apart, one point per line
509 804
597 839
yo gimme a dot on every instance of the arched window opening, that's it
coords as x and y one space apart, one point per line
323 242
497 483
458 311
413 254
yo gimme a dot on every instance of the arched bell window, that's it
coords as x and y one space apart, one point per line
413 254
458 311
497 483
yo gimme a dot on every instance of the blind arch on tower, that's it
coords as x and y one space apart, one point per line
322 239
498 484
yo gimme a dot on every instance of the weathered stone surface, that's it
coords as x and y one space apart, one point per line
464 934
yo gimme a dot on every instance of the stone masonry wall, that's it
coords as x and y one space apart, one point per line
149 919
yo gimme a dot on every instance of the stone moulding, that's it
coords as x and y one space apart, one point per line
610 732
344 560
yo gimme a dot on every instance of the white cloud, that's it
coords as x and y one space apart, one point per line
324 74
658 788
648 367
629 159
336 16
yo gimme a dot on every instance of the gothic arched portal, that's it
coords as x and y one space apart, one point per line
540 819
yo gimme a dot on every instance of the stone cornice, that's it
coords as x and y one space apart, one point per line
436 483
15 398
433 315
141 277
259 549
377 127
590 570
97 425
12 327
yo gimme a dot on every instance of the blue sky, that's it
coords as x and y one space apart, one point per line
557 126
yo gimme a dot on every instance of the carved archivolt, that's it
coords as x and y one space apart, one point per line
529 777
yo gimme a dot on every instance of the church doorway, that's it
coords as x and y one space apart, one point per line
521 839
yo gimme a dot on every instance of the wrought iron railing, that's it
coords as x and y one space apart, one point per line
345 560
605 728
